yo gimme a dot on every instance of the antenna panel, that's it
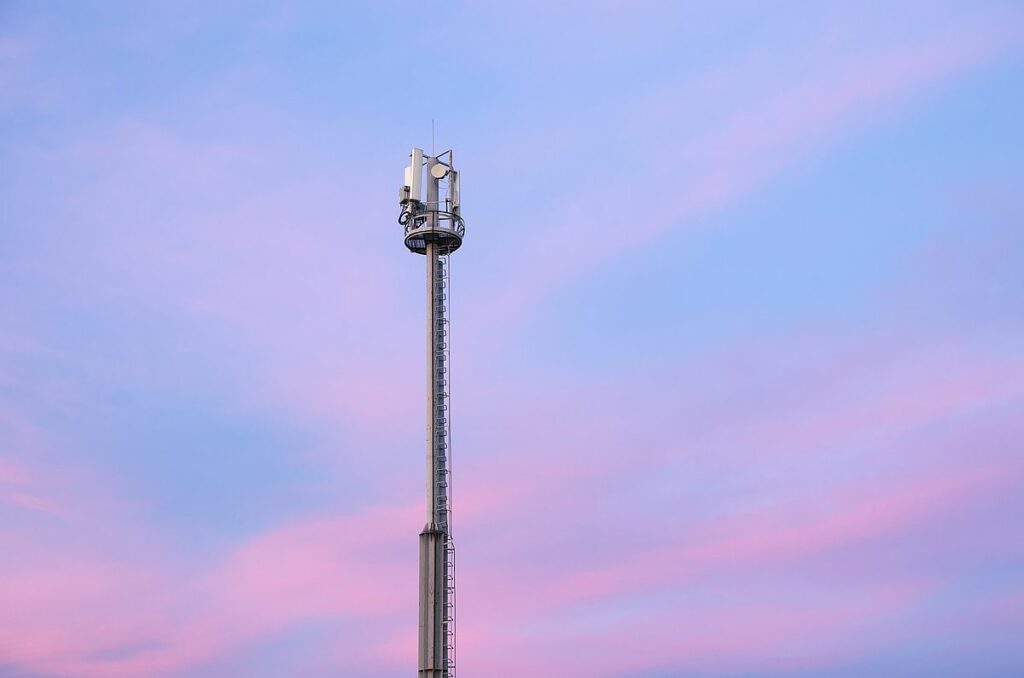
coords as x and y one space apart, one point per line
414 175
453 189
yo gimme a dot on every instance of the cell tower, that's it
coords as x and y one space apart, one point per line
434 227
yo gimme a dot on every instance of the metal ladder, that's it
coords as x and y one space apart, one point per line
442 446
449 608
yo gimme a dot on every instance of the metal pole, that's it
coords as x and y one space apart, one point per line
432 432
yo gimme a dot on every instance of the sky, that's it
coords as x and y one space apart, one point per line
737 334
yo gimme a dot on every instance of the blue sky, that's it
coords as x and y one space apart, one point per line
737 337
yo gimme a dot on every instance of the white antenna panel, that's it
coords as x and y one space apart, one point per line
414 175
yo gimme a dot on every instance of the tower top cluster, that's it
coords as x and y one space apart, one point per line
435 218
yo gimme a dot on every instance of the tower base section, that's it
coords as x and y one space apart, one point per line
433 591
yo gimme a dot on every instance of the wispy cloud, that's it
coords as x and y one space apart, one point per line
678 174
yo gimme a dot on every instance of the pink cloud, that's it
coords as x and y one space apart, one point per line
30 488
738 405
558 508
732 635
790 532
82 615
